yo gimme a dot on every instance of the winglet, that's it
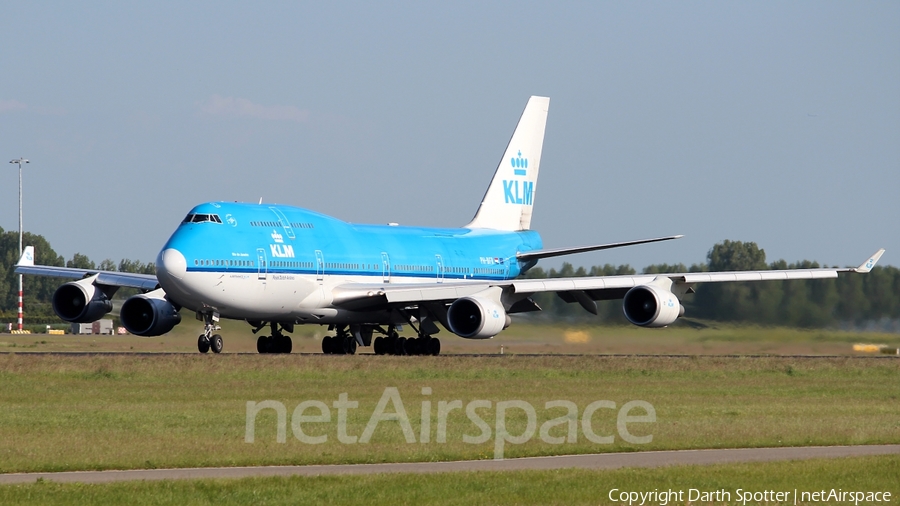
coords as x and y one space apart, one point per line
870 263
27 258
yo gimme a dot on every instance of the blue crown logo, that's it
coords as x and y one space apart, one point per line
519 164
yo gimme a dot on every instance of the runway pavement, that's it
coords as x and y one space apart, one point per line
592 461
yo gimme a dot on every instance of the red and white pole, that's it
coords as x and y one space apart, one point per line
20 302
20 240
19 161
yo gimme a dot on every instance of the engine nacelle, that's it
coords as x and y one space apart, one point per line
477 317
651 306
81 301
149 314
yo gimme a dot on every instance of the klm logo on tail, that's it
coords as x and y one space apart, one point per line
513 191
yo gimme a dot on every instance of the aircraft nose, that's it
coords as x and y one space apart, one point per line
171 262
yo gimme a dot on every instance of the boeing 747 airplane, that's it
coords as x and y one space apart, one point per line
279 266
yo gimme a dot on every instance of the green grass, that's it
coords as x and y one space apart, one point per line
121 412
569 487
521 337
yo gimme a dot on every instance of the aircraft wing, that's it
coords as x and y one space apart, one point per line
26 265
584 290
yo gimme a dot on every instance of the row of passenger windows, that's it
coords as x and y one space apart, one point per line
279 224
339 265
200 218
414 268
224 263
299 265
457 270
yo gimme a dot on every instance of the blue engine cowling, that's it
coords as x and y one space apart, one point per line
81 301
149 314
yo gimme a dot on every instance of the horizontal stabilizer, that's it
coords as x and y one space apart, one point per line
548 253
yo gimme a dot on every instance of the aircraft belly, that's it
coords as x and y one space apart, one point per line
244 296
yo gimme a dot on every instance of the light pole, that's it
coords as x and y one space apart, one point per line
20 161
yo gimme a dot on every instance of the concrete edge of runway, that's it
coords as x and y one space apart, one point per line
647 459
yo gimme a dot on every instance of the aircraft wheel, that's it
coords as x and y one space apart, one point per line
378 345
414 346
286 345
262 344
400 346
203 344
217 343
326 345
349 345
434 346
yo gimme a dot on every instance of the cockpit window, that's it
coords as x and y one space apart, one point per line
202 218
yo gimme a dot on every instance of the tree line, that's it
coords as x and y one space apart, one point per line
851 299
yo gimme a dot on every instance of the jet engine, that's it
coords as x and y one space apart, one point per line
149 314
477 317
81 301
651 306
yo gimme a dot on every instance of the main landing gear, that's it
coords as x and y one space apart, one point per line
393 344
207 340
343 343
277 342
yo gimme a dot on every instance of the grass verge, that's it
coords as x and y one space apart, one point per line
124 412
570 487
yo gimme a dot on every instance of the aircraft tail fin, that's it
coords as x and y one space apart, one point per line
508 202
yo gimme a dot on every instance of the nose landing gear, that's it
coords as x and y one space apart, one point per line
207 340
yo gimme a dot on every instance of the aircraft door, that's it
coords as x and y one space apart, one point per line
288 229
439 260
320 265
262 268
385 267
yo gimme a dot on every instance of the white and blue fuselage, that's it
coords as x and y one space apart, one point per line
268 262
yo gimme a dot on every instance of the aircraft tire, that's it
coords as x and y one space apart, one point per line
350 346
217 343
400 346
203 344
326 345
434 346
414 346
286 345
262 345
378 345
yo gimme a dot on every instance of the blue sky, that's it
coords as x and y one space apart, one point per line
771 122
